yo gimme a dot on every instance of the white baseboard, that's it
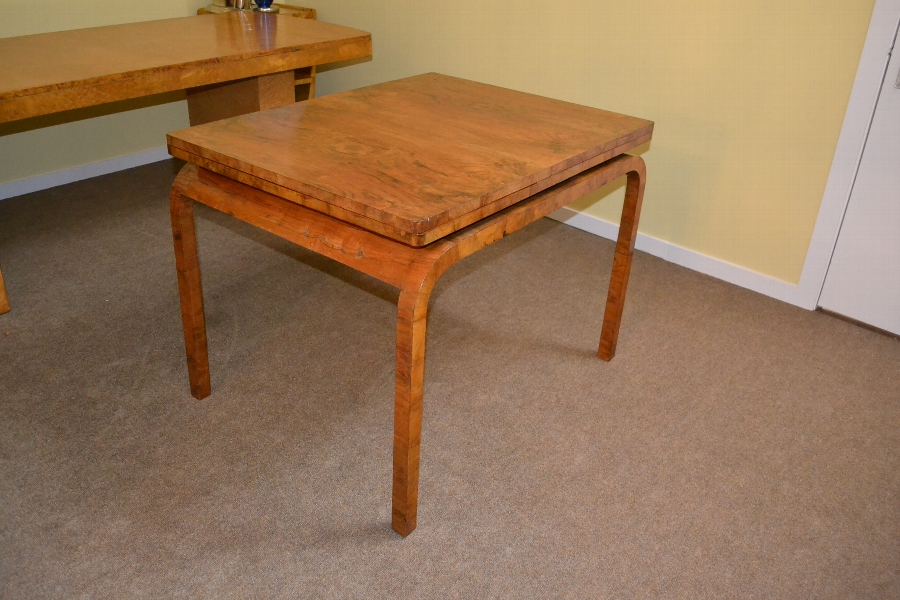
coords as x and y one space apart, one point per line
691 259
43 182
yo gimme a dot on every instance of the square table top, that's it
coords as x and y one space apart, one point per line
413 159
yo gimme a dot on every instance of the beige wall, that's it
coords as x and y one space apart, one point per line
748 97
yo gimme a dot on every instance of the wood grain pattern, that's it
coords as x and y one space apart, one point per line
386 229
413 154
414 270
4 299
59 71
409 381
372 254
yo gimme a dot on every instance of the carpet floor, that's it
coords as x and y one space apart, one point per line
736 447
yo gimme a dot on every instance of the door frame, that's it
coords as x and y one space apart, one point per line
870 74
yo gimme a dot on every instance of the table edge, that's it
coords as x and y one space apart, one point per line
412 233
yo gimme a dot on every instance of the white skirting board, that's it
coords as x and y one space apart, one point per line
745 278
43 182
667 251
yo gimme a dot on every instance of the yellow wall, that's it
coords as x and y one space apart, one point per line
748 97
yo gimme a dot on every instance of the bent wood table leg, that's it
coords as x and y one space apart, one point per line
618 281
412 311
415 271
4 299
191 294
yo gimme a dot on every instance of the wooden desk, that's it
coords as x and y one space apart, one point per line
400 181
230 64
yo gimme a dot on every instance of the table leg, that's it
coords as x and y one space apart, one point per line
631 212
224 100
412 311
191 292
4 299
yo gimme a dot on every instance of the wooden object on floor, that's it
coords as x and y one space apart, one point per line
304 78
4 299
52 72
409 177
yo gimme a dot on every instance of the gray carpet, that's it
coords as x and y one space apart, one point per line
736 447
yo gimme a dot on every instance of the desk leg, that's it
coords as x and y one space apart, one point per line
224 100
4 299
191 292
628 226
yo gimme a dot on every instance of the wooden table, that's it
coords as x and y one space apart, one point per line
400 181
230 64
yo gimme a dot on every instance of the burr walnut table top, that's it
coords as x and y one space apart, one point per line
414 159
51 72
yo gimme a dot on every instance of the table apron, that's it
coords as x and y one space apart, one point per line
380 257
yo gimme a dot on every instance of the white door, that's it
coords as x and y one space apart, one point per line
863 279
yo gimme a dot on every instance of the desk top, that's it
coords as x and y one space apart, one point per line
413 159
49 72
